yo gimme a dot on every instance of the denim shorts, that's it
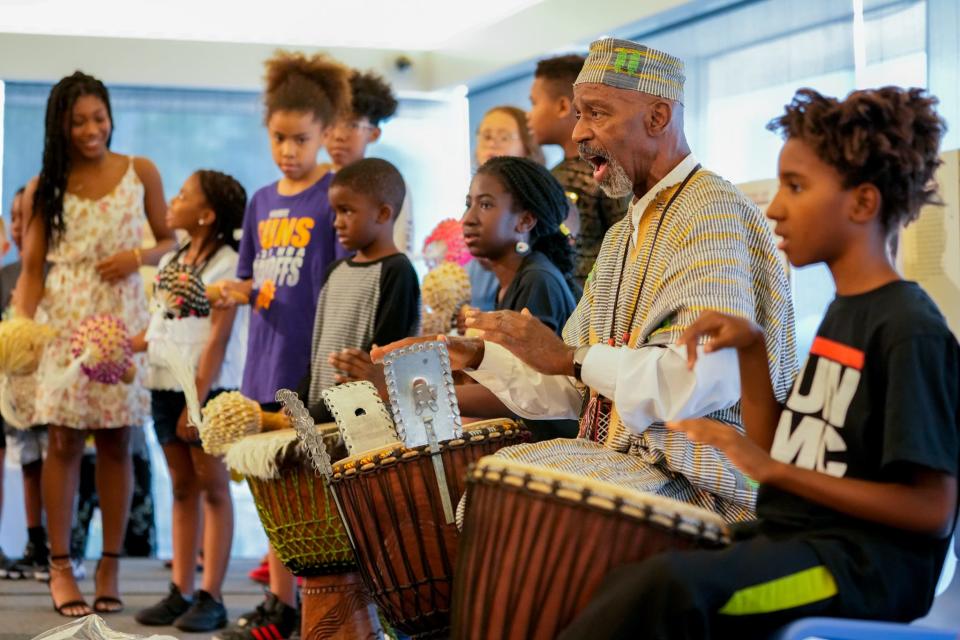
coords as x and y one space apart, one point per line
166 407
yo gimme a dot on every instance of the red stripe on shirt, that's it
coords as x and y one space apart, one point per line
847 356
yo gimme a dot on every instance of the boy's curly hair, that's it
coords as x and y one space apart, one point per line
888 137
373 98
317 84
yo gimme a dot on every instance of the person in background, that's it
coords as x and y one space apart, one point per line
85 214
27 447
288 244
551 120
209 209
502 132
372 103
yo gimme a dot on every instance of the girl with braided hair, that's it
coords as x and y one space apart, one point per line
513 219
209 208
515 209
85 214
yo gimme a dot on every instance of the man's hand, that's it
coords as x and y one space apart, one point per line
118 266
725 331
465 353
753 461
526 337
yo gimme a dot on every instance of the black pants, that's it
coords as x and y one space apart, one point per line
747 590
140 538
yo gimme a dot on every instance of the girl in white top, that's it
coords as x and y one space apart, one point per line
209 208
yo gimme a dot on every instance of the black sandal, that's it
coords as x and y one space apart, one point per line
106 604
60 564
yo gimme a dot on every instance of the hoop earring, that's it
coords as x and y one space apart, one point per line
522 248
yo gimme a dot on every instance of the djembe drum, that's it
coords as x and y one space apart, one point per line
537 542
304 527
392 506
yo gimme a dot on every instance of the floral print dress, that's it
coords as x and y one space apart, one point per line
93 230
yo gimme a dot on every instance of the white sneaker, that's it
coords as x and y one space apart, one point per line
79 569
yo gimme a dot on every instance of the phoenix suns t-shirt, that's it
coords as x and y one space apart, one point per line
287 246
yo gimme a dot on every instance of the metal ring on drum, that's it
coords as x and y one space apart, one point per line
537 542
405 547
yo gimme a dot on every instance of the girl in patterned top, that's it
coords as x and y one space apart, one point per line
209 208
85 214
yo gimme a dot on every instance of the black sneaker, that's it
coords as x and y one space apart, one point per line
271 620
166 611
249 617
6 564
33 564
205 614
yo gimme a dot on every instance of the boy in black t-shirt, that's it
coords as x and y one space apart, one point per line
858 472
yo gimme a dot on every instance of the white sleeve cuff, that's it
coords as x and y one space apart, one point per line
599 369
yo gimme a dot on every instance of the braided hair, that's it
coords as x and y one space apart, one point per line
533 188
228 199
52 183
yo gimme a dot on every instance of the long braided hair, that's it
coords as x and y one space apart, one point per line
228 199
52 183
532 188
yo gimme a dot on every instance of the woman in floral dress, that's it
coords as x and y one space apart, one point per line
87 210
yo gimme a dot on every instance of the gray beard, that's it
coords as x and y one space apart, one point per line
616 184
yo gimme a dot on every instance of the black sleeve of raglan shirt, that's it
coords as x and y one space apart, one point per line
398 310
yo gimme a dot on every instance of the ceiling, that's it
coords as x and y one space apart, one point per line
418 25
222 43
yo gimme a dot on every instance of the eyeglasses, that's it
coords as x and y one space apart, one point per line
502 137
351 126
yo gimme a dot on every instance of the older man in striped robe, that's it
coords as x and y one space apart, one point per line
691 241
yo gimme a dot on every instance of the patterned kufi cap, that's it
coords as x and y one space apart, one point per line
630 65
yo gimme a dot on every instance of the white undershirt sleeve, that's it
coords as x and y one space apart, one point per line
652 383
527 392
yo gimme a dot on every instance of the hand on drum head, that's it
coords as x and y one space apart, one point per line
725 331
354 365
753 461
526 337
465 353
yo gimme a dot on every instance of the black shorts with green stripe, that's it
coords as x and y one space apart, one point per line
747 590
